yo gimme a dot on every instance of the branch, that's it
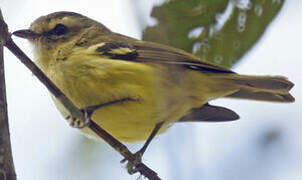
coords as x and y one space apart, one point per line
7 169
74 111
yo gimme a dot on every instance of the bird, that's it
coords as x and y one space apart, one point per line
137 89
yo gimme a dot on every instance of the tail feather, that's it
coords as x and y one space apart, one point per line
209 113
263 82
246 93
263 88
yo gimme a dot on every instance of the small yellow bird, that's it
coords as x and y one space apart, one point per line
133 85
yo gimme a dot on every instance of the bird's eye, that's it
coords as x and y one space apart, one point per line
60 29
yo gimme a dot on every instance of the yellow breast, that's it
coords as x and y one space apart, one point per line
96 81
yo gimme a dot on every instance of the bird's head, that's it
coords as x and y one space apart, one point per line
59 27
54 35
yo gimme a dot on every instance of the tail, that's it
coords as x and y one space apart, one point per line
263 88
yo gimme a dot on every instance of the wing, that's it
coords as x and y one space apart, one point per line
142 51
209 113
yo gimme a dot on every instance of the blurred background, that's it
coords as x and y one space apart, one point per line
265 144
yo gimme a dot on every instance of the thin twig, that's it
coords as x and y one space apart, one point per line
7 169
75 112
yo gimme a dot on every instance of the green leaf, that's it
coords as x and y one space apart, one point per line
222 42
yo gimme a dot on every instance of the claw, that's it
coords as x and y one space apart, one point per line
132 166
78 123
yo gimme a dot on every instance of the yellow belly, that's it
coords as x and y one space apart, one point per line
133 121
155 95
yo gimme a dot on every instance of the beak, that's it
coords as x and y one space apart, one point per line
26 34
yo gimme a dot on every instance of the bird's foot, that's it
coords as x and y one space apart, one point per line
77 122
131 166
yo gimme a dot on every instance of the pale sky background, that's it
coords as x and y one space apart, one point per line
45 147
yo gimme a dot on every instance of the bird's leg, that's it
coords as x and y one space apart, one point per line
88 111
152 135
131 166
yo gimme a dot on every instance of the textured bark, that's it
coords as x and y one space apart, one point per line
7 170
